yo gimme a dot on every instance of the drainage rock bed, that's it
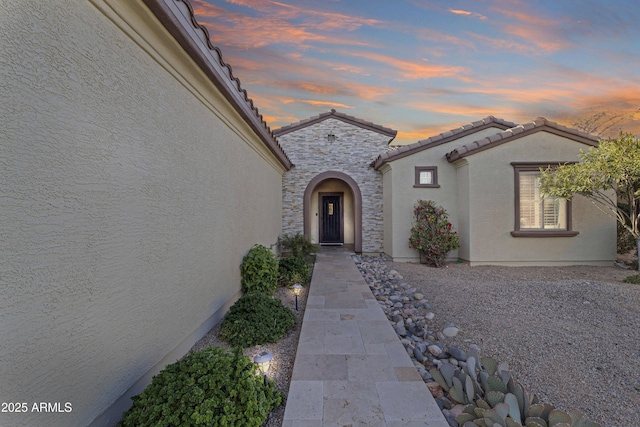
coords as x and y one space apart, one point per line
569 334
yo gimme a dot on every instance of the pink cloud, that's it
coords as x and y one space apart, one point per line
412 70
467 13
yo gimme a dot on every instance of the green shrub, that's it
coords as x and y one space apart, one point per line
293 269
634 278
259 271
207 388
256 319
297 245
432 233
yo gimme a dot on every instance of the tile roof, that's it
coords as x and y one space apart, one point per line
333 114
539 124
395 153
179 19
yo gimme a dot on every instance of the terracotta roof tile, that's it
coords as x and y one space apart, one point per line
539 124
179 19
333 114
442 138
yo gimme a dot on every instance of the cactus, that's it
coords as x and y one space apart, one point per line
437 376
557 417
494 398
491 417
496 384
511 423
514 408
470 367
448 371
502 409
490 365
463 418
540 411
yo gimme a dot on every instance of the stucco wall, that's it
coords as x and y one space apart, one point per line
130 192
405 195
491 195
351 153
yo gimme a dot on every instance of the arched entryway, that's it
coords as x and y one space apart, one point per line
343 202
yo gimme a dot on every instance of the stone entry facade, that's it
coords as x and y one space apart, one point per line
334 152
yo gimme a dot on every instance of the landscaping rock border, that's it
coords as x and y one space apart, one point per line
569 334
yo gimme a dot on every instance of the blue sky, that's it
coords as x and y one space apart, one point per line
424 67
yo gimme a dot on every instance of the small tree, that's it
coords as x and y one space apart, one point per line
607 174
432 233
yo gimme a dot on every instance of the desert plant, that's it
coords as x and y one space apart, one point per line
293 269
492 397
634 279
208 387
259 271
297 245
256 319
432 233
606 174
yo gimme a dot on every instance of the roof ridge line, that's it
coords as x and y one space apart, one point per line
337 115
441 138
513 133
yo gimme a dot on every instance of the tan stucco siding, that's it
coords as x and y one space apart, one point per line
463 225
491 195
131 191
403 197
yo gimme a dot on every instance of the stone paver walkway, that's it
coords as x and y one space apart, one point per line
350 368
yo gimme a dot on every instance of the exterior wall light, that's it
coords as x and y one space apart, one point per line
263 360
331 137
296 291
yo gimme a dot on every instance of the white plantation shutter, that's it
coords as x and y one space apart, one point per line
537 212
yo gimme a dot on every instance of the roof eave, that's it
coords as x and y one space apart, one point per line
529 128
440 139
333 114
194 39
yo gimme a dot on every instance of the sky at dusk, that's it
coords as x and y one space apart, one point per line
424 67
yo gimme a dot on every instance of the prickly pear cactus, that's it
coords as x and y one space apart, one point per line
493 398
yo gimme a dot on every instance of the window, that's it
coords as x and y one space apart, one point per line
426 176
535 214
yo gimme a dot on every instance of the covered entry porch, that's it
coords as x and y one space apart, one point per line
333 210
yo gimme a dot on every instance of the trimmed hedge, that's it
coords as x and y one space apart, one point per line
256 319
259 271
208 388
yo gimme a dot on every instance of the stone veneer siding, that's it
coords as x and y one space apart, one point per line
351 153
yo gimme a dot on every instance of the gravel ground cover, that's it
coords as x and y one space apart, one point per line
570 334
284 351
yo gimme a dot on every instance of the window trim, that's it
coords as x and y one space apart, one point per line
434 175
535 167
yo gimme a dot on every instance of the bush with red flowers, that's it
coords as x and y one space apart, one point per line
432 233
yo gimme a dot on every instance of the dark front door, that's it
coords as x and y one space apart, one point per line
331 219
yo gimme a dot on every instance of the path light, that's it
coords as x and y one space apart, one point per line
296 290
263 360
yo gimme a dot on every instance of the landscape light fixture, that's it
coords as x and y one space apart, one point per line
263 360
296 291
